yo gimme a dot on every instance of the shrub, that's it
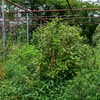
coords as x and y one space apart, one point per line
21 73
23 58
62 48
85 86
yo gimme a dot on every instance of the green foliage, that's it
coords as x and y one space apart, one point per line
85 86
21 72
26 57
21 35
57 52
21 77
18 37
88 30
96 56
1 50
14 90
39 71
62 49
96 36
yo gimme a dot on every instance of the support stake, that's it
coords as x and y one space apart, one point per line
27 30
3 31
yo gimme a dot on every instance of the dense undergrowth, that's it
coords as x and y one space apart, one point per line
57 65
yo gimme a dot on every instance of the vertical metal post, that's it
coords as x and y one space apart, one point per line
27 30
40 22
3 30
98 1
70 8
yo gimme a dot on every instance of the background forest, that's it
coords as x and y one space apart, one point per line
61 60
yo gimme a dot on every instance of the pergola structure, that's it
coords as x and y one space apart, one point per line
41 18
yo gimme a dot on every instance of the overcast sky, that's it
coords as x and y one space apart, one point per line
90 0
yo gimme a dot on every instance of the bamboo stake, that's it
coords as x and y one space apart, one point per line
27 30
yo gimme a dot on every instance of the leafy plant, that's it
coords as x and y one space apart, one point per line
62 48
21 72
85 86
26 57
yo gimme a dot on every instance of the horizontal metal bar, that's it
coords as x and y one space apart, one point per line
58 10
75 18
49 18
7 25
